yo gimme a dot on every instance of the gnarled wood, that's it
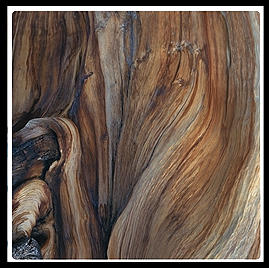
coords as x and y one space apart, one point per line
30 205
32 154
149 122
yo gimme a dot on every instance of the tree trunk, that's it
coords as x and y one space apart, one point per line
136 134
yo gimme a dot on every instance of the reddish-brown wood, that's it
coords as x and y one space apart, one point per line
144 126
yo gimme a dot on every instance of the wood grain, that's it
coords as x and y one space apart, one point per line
152 123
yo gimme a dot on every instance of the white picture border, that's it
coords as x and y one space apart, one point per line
11 9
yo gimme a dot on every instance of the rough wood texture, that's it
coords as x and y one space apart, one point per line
150 125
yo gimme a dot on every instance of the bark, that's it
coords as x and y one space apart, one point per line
136 134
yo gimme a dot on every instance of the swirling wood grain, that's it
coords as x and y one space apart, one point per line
156 115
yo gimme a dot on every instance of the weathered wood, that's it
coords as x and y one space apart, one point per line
26 248
31 204
32 156
145 128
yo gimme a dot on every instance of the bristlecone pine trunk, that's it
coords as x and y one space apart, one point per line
136 135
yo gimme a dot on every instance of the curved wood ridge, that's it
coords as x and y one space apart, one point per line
136 134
